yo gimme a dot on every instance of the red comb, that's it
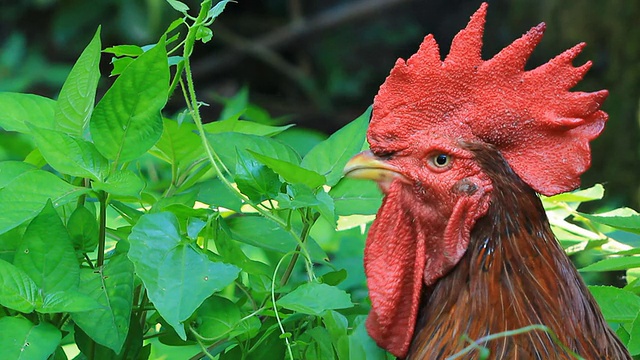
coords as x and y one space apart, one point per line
541 128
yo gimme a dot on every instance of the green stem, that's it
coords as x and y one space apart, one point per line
214 159
102 235
303 237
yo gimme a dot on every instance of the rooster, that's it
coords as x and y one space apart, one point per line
461 247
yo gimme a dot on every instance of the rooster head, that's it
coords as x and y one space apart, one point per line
424 117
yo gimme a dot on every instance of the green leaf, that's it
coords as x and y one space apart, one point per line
233 124
179 145
112 287
300 196
337 326
21 340
127 121
70 155
330 156
314 299
613 263
9 170
291 173
218 9
634 337
220 318
83 229
67 301
119 64
23 197
46 253
352 196
126 50
179 6
595 192
617 305
177 275
227 144
254 179
17 290
204 34
624 218
261 232
18 109
121 183
77 97
361 345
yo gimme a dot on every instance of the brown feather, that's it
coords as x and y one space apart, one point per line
514 274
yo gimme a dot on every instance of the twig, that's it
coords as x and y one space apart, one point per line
296 31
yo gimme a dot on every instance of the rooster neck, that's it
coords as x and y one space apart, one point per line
514 274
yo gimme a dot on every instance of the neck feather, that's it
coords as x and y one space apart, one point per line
514 274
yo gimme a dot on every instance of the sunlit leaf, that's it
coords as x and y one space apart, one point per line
614 263
127 121
16 110
617 305
77 97
624 218
122 183
70 155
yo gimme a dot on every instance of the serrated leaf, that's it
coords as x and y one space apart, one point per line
127 121
17 290
18 109
178 277
77 97
23 197
614 263
70 155
112 287
291 173
624 218
46 253
20 339
254 179
121 183
617 305
330 156
83 229
314 299
352 196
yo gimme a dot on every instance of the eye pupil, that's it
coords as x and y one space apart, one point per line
442 160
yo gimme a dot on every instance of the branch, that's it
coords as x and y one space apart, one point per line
295 31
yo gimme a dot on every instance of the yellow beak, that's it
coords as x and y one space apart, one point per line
365 165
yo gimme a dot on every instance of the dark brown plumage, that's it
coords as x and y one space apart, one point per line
514 274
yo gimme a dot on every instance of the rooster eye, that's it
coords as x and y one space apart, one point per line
441 160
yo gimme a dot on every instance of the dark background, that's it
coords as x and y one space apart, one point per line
318 63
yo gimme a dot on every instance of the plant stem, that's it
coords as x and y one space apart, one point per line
102 235
303 237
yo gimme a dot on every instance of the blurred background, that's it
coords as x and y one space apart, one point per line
319 63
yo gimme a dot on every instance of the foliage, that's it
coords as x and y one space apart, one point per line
126 234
